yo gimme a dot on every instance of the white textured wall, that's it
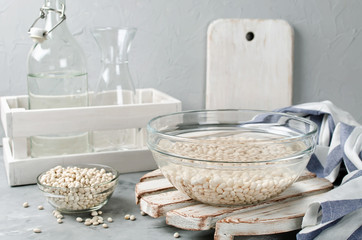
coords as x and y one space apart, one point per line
170 46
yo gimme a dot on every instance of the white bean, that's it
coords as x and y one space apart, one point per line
218 186
86 179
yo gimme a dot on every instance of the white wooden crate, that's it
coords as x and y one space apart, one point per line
20 123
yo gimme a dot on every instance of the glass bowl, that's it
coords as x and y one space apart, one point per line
74 198
231 157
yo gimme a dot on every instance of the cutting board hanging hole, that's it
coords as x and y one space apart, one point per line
249 36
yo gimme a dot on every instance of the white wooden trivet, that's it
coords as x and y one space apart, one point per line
157 197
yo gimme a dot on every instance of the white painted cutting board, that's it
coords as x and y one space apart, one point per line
255 74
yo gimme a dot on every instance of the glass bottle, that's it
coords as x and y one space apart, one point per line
115 85
57 78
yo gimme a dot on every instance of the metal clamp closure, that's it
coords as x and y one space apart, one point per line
44 12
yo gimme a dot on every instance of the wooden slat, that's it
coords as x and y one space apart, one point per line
152 187
156 174
273 219
42 122
20 122
22 171
204 217
157 205
306 175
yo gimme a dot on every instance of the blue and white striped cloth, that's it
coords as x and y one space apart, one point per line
338 213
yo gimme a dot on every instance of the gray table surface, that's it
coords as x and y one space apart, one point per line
18 222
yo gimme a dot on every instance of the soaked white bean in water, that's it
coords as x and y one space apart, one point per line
234 186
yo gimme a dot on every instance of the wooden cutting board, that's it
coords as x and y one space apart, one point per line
249 64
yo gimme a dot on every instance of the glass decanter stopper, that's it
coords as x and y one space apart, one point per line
115 85
57 78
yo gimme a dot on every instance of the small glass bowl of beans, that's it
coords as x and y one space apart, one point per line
231 157
76 189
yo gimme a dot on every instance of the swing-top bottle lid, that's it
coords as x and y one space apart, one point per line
40 34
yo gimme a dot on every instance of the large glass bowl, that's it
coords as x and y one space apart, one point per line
80 199
231 157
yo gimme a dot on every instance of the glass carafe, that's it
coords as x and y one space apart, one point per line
115 85
57 78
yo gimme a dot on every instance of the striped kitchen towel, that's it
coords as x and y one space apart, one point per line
338 213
